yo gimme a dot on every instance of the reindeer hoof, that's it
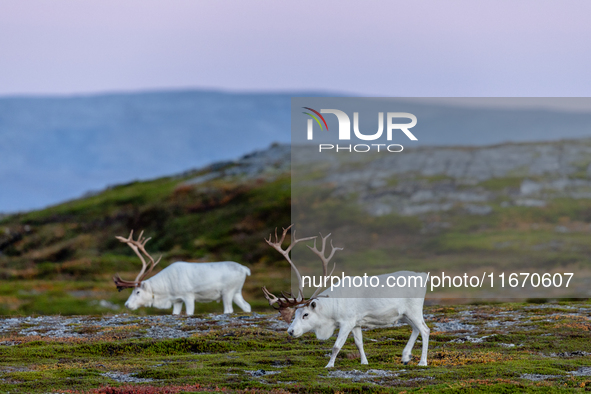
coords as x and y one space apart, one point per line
405 363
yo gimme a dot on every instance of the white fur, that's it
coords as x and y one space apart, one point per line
325 314
186 283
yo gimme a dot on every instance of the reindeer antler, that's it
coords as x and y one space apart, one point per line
325 260
138 246
287 304
285 253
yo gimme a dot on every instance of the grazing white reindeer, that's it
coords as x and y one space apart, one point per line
350 308
183 282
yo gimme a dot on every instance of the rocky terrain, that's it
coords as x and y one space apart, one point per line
474 179
434 179
489 347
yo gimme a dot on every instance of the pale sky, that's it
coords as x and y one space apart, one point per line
366 47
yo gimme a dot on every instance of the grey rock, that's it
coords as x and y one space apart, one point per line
576 353
125 378
583 371
478 209
536 377
261 372
471 339
454 326
356 375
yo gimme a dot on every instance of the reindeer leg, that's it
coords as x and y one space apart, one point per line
245 306
418 326
357 335
189 305
336 348
425 338
177 307
406 353
227 301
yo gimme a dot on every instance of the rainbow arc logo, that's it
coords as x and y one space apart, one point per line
315 118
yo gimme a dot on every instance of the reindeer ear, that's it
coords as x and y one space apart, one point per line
313 304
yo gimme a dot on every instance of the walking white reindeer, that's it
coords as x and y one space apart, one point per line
348 308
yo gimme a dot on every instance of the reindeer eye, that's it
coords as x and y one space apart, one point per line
138 292
305 315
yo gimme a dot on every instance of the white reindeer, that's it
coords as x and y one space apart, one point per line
183 282
350 308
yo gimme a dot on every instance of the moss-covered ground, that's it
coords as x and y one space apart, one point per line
473 348
58 262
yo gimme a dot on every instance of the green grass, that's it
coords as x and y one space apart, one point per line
108 201
221 356
497 184
76 240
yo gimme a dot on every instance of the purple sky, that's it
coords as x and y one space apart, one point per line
385 48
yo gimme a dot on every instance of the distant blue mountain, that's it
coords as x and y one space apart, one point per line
57 148
54 148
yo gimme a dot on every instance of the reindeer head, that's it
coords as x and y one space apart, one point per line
141 295
311 317
287 304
